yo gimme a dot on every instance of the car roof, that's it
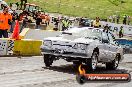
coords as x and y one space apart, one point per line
76 29
101 29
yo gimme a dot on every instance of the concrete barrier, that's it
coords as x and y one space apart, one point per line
3 46
24 47
6 46
27 47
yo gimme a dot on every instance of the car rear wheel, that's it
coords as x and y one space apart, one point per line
114 64
92 62
48 60
81 79
77 63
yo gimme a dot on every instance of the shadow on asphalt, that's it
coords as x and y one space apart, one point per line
71 69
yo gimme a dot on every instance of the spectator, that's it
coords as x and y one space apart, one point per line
106 28
121 32
128 20
97 23
47 19
117 19
14 17
125 20
5 22
34 14
110 18
114 18
81 22
42 17
65 24
56 20
38 22
24 23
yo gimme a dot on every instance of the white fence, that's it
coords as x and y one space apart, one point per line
116 28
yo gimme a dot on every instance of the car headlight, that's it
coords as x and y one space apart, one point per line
80 46
47 43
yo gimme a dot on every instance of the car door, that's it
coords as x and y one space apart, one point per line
104 47
112 46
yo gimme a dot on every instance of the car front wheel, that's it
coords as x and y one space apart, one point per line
77 62
48 60
92 62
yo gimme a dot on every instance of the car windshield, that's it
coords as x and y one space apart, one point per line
83 32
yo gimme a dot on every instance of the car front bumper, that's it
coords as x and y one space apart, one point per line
63 54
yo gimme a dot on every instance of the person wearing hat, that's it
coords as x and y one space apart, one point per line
38 21
5 22
96 23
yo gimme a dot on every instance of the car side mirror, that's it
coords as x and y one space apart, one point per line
116 43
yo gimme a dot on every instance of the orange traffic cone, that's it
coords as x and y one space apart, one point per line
15 34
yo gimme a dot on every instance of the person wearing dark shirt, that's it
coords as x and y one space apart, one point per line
56 20
24 23
106 28
118 19
121 31
38 22
14 17
125 20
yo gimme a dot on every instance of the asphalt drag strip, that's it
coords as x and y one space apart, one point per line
31 72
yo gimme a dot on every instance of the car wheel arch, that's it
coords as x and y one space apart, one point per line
119 56
96 50
91 50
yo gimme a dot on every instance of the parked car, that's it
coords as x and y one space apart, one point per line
85 22
126 44
83 45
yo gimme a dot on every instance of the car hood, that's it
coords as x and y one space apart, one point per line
71 39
